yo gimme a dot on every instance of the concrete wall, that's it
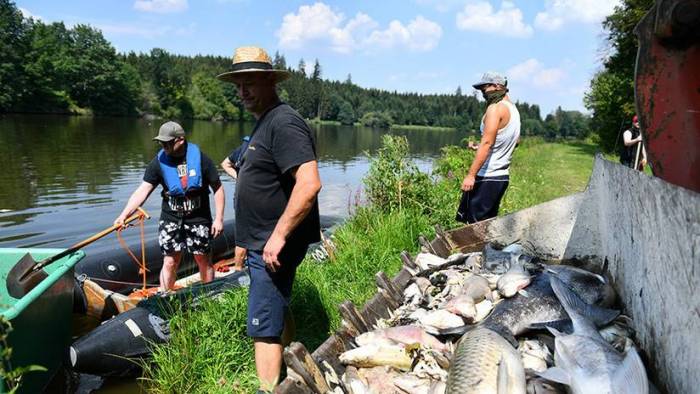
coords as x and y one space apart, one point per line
648 232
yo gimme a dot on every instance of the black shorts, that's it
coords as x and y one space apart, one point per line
174 237
483 200
270 292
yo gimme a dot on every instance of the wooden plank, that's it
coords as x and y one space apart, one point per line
384 283
376 308
408 261
401 279
441 244
297 358
350 314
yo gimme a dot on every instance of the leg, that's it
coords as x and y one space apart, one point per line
168 274
170 241
268 361
269 317
206 270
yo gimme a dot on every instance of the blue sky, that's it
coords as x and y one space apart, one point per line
548 49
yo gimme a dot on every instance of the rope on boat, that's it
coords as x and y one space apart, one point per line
142 263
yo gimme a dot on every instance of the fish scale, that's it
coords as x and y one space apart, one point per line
475 364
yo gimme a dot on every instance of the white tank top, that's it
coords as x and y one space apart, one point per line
499 160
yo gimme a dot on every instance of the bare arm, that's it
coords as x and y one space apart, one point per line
627 138
137 198
228 167
491 121
219 202
306 188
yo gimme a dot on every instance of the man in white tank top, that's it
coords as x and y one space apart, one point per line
488 176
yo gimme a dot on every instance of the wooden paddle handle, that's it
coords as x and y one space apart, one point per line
83 243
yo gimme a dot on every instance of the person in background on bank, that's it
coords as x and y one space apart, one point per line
633 148
186 175
487 178
231 165
276 206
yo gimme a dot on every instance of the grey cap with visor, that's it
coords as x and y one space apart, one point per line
169 131
491 78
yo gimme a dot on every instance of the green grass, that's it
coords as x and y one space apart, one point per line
209 351
542 171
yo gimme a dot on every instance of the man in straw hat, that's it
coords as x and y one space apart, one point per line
487 178
276 207
186 175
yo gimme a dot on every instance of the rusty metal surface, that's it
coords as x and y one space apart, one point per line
667 90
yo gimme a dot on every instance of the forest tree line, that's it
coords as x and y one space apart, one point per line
52 68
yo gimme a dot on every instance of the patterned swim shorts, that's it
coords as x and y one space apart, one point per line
191 237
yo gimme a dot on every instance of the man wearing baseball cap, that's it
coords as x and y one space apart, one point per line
488 176
186 175
633 150
276 206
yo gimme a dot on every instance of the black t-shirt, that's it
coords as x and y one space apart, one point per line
196 209
281 141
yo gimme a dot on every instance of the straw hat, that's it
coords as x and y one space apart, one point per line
248 60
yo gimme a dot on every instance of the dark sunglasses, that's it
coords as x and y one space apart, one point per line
167 144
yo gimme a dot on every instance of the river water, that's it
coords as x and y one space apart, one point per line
65 178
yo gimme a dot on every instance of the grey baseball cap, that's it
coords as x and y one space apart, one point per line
491 77
169 131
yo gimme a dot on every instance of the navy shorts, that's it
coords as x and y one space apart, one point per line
483 200
270 292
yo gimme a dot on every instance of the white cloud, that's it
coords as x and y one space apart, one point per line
160 6
558 12
25 13
534 73
419 35
318 22
481 16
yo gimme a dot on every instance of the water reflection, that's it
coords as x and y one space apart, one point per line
65 178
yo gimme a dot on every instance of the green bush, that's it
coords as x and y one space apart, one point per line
378 120
393 181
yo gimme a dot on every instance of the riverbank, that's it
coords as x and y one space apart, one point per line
412 127
209 351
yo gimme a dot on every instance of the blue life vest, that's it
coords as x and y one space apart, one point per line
194 171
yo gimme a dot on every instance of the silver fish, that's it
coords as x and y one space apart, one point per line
484 362
406 335
521 313
592 288
585 361
514 280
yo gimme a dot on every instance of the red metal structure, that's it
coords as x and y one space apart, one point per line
667 90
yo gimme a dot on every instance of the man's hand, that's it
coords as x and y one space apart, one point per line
217 227
119 221
273 247
468 183
642 163
239 257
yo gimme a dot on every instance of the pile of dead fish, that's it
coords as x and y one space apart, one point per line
498 322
